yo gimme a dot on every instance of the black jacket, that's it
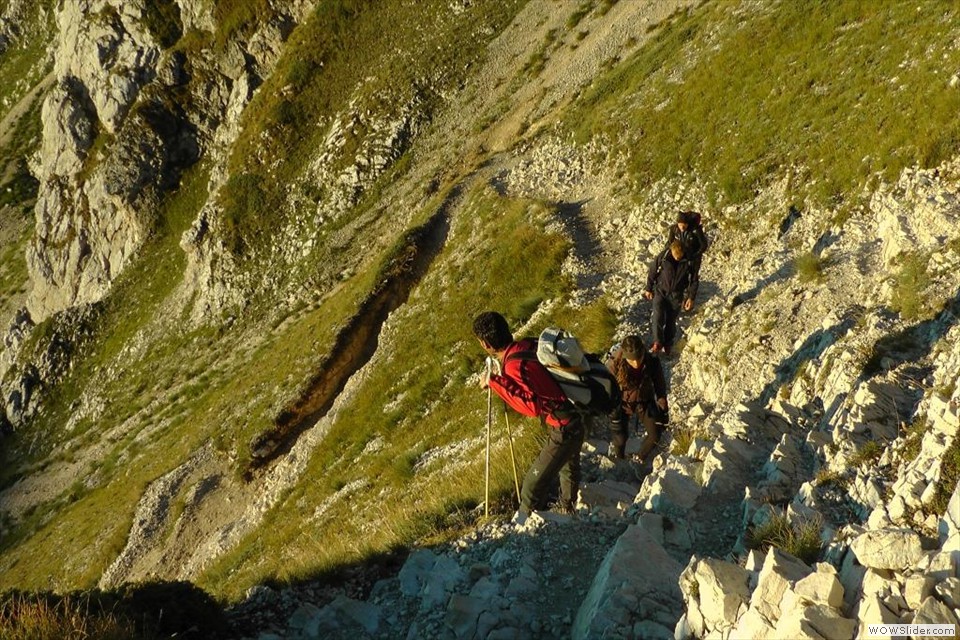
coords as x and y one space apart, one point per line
677 280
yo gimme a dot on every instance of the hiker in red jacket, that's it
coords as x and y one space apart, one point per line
528 388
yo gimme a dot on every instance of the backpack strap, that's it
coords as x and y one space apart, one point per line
556 409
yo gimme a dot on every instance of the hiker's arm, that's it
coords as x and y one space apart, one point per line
516 397
651 278
704 240
659 385
691 293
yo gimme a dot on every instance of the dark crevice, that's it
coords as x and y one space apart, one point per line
358 340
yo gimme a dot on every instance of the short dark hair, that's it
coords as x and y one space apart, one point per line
492 328
632 347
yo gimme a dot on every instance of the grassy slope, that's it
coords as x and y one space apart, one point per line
739 93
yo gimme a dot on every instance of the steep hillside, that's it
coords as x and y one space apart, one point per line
260 233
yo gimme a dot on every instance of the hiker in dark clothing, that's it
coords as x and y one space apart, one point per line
689 232
527 387
644 399
672 285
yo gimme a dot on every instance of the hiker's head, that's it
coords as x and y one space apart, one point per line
684 220
676 249
632 347
492 330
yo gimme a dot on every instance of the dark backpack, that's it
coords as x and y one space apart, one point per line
583 377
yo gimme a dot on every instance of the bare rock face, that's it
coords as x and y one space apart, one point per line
90 215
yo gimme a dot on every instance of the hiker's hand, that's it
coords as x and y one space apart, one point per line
484 380
662 403
688 304
648 295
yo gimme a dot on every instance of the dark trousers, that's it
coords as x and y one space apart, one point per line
664 319
622 423
560 456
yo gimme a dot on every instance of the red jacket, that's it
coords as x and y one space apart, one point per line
527 386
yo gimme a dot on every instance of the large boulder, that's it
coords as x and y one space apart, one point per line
716 593
894 549
635 588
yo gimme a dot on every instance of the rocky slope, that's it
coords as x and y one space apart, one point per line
813 391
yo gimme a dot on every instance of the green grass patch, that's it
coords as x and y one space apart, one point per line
808 267
737 97
22 64
136 612
802 541
866 455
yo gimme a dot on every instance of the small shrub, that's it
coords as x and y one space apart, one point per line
949 476
39 617
867 454
913 439
578 15
682 439
828 477
799 540
808 267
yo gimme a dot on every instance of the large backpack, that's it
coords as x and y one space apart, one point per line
583 377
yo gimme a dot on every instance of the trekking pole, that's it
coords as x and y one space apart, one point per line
486 499
513 459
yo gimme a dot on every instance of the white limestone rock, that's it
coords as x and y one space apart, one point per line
872 610
779 573
637 582
932 611
723 588
916 589
895 549
821 587
815 622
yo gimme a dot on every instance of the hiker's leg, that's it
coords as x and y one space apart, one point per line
543 472
651 433
670 313
618 432
657 318
570 471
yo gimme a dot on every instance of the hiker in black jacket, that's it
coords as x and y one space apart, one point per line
689 232
672 285
643 400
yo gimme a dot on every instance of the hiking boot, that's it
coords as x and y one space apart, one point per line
563 506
